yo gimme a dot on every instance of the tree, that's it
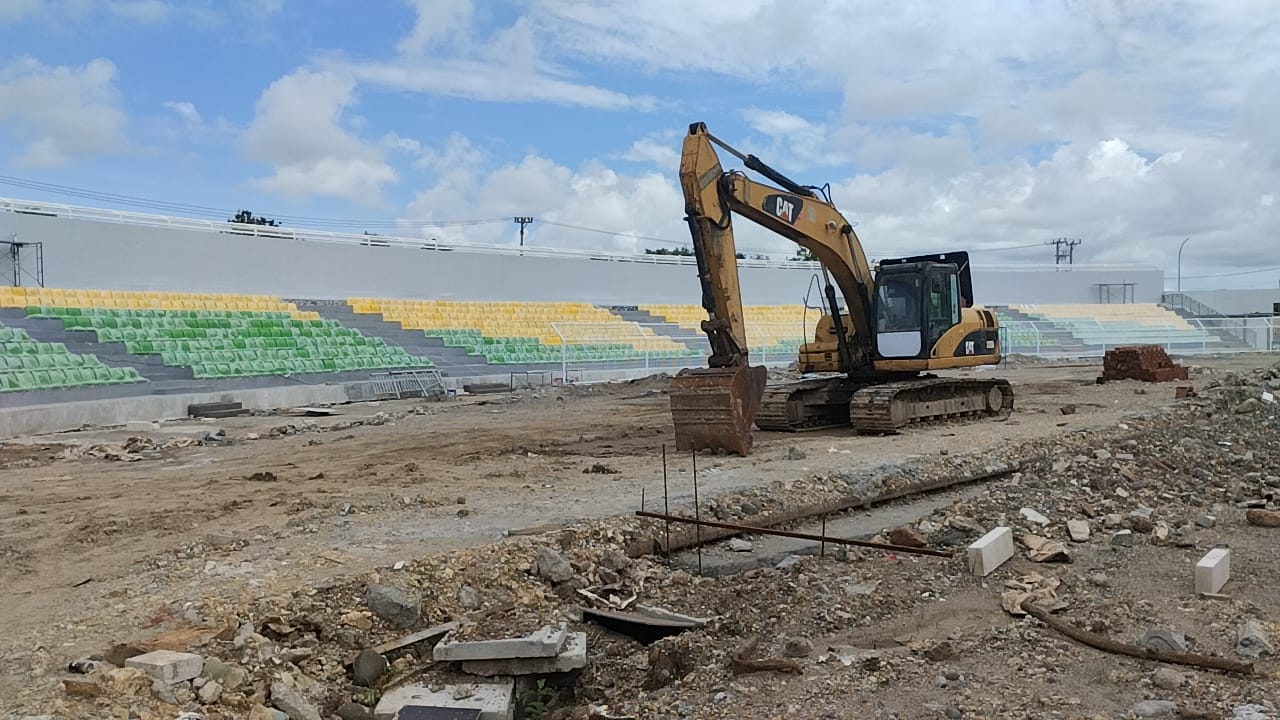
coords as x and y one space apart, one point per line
680 251
248 218
804 254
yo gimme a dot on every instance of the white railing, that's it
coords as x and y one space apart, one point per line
1092 338
586 346
129 217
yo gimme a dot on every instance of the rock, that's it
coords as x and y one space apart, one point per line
749 508
1068 409
1099 580
1122 538
393 606
164 692
1033 516
354 711
1263 518
297 655
469 598
1161 640
795 453
368 666
1166 678
615 560
357 620
1185 536
210 692
1206 521
167 666
1250 405
1140 521
1154 708
797 647
670 659
1101 454
81 687
1078 530
1252 639
292 703
907 537
788 562
229 677
739 545
1251 712
552 565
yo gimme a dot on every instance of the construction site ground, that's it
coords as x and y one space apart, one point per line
105 540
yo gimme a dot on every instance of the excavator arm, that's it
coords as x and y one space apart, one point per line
714 407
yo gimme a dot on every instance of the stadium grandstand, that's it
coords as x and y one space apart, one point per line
103 305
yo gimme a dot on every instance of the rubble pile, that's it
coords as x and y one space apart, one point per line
1148 363
1107 525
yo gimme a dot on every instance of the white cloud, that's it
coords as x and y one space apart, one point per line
297 128
658 151
185 110
63 114
140 11
13 10
445 55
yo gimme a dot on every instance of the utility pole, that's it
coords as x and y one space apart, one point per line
522 220
1064 249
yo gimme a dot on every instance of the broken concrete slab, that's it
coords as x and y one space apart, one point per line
167 666
435 631
494 700
1252 639
990 551
572 657
1078 530
544 643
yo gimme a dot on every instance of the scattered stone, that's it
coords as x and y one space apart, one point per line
797 647
552 566
354 711
291 702
1252 639
1078 530
368 666
1213 570
1068 409
906 537
1249 405
1154 708
1161 640
1206 521
1263 518
1033 516
739 545
1185 536
572 657
167 666
990 551
81 687
494 700
615 560
788 562
795 453
357 620
393 606
1099 580
210 692
469 598
749 508
1101 454
1251 712
1166 678
229 677
1140 521
1122 538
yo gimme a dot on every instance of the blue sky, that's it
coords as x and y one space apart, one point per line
990 126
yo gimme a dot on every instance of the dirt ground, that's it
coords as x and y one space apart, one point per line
94 550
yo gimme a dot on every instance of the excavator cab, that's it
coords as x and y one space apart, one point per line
917 301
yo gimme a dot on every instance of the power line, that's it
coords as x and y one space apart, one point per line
1232 274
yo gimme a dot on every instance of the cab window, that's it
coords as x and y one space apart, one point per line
897 303
943 305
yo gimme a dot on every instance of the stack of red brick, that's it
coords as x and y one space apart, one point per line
1149 363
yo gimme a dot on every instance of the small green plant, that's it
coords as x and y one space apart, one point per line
537 700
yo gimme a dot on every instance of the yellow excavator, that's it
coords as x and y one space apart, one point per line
873 356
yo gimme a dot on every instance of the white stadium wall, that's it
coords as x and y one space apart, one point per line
193 257
1238 302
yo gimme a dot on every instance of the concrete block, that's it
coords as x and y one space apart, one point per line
990 551
1213 570
494 700
544 643
167 666
572 657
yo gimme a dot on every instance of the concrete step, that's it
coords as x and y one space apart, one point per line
658 324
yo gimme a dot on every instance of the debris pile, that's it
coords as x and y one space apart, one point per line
1148 363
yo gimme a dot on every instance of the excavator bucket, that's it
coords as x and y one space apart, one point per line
713 408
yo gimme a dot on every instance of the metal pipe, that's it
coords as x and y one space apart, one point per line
796 535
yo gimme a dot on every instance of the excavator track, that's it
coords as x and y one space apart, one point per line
806 405
888 407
